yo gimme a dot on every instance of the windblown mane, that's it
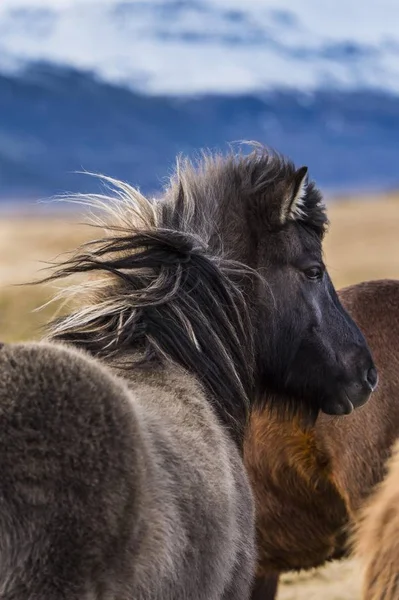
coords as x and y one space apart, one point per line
171 291
164 294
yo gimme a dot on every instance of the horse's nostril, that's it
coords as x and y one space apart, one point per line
372 378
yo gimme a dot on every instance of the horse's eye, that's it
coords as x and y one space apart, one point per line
314 273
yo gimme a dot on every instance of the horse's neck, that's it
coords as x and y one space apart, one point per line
171 391
166 376
276 445
295 495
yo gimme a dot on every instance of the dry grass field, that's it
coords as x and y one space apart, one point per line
363 243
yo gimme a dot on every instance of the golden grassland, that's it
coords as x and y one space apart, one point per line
26 245
363 243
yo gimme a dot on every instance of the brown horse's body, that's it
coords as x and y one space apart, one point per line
310 482
377 537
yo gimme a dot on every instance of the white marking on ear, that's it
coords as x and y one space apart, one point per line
297 208
293 206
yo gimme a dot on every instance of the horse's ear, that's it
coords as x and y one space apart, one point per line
293 204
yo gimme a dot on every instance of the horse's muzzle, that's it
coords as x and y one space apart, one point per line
353 395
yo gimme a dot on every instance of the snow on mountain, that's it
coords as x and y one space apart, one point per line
122 86
183 47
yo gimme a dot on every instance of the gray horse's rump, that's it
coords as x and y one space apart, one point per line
112 492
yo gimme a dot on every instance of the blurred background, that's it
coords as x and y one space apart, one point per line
122 86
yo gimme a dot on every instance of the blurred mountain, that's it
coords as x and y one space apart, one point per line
121 87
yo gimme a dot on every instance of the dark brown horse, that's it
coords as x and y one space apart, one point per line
310 481
135 487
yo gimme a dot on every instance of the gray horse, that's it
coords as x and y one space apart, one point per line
121 438
118 492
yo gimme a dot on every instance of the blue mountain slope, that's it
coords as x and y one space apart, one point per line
58 120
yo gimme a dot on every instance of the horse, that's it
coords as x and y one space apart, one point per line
197 302
310 481
377 534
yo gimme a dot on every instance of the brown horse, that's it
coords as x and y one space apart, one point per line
310 481
377 537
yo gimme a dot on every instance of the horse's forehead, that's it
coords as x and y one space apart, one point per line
235 194
293 241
